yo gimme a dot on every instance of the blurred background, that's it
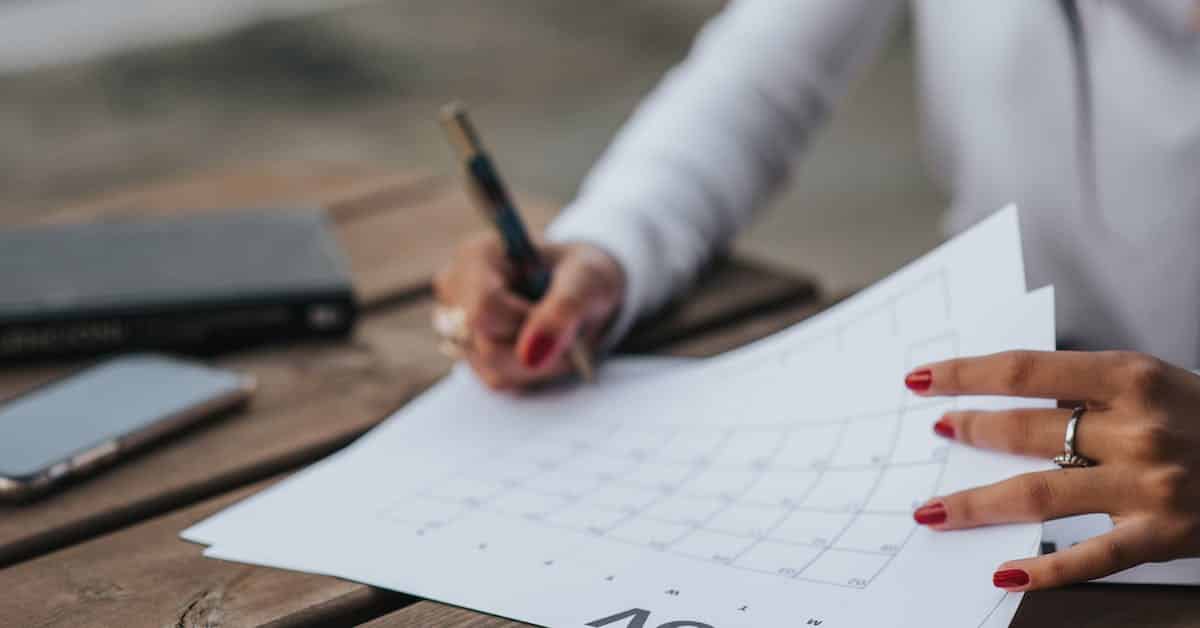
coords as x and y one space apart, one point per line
99 94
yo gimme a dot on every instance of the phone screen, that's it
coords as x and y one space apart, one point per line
100 404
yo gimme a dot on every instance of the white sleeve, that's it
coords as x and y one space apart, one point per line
716 137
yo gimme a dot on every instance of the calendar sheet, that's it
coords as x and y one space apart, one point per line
773 486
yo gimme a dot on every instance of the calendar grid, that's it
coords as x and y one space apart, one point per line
728 503
637 511
741 496
794 508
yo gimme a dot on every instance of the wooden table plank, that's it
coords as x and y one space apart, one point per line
427 613
312 399
146 576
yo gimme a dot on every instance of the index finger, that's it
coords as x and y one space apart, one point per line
1044 374
1125 546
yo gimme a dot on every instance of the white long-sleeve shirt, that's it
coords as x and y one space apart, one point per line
1084 112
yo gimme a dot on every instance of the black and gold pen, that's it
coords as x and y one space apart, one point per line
489 193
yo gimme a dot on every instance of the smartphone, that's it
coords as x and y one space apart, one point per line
78 424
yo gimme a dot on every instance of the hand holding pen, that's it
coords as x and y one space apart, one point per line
519 312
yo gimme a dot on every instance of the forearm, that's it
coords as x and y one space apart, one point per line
716 138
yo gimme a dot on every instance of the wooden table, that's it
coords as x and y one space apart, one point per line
106 551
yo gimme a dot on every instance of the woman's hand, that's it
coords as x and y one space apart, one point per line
513 343
1141 428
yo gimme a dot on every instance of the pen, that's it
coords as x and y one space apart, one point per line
490 195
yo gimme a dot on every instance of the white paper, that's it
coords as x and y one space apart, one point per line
770 487
785 514
962 279
613 374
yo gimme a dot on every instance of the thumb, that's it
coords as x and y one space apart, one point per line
554 322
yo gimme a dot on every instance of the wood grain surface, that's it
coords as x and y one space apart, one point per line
145 576
434 614
311 400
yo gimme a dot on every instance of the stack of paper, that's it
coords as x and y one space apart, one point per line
769 486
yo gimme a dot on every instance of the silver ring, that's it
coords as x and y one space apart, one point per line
1069 458
450 323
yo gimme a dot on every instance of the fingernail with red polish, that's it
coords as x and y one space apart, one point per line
944 428
931 514
539 350
1010 578
919 381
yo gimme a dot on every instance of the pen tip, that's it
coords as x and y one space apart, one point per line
581 358
453 110
459 129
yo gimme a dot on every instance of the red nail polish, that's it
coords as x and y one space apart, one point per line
919 381
539 350
1010 578
931 514
944 428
